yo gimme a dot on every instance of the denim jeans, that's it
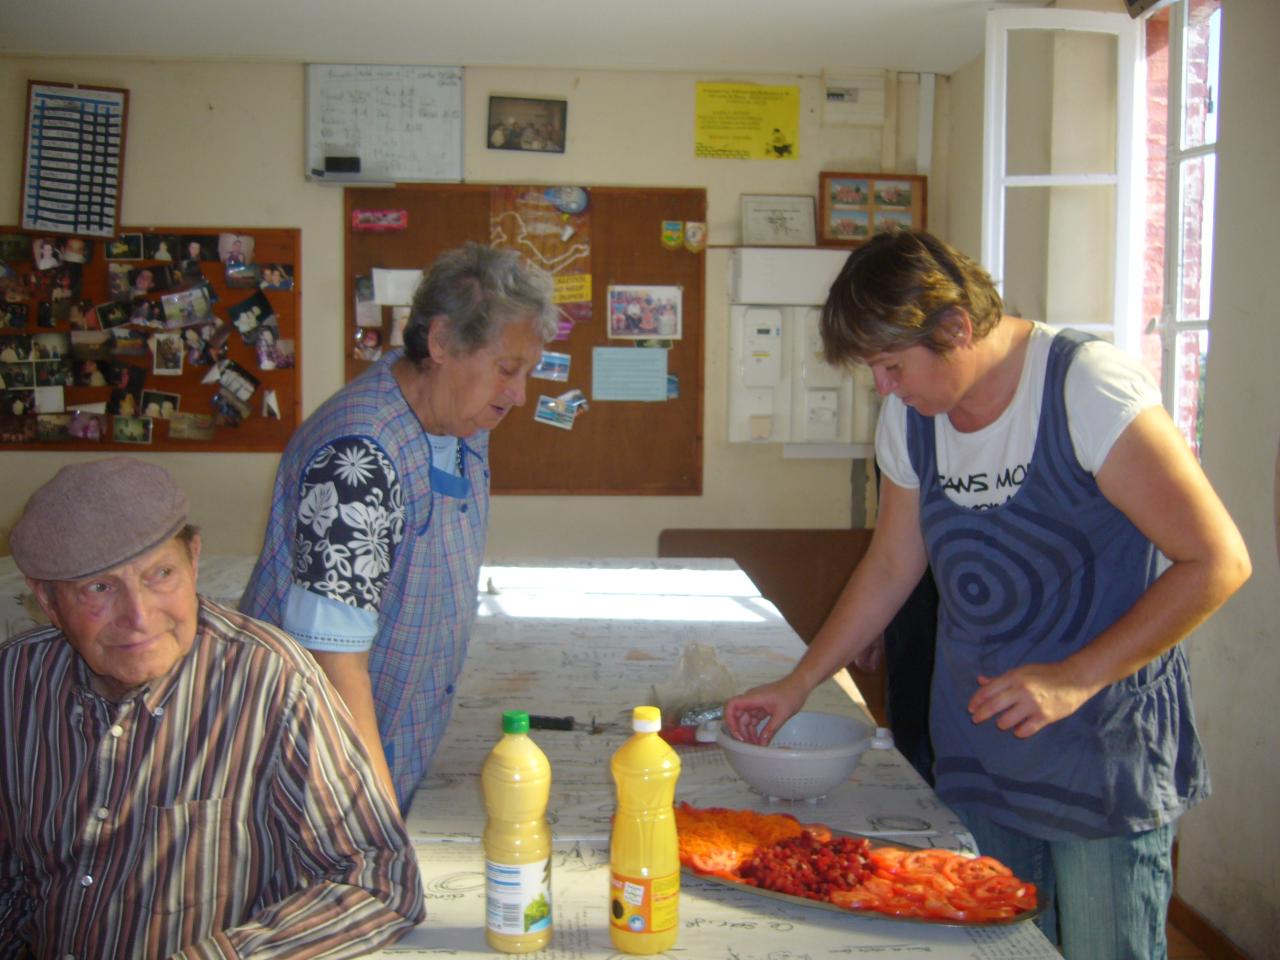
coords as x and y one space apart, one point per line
1107 899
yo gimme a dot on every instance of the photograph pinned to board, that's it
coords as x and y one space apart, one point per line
236 251
147 280
131 429
160 404
75 250
199 246
53 427
126 246
643 313
527 123
552 366
167 353
368 310
277 276
273 352
187 308
250 314
368 344
14 246
561 411
14 316
191 426
160 246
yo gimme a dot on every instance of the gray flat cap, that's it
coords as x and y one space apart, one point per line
94 516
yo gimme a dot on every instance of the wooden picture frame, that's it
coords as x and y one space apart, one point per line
536 125
777 221
856 206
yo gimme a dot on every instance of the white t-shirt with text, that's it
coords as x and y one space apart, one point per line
1105 390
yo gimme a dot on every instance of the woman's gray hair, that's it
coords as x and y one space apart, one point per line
475 292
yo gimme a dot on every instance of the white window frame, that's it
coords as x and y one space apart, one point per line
1171 322
1125 327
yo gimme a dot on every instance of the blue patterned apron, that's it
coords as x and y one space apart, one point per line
429 600
1032 581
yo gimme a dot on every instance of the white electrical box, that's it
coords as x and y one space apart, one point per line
781 390
783 276
853 99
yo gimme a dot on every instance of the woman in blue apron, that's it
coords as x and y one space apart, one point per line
1037 475
381 505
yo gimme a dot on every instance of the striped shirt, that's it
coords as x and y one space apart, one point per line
224 810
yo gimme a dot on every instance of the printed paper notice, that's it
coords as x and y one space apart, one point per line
745 121
628 373
395 287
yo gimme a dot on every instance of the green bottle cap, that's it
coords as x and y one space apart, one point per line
515 721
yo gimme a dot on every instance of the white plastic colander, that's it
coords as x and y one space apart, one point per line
811 755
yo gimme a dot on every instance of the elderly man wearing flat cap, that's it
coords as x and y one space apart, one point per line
176 779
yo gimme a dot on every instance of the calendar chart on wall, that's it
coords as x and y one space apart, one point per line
74 158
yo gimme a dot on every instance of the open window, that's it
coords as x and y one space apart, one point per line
1060 168
1098 177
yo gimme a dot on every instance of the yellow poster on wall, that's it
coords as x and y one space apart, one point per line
746 121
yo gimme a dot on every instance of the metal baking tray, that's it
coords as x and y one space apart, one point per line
871 914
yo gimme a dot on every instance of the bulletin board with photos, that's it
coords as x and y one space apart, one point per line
159 338
642 245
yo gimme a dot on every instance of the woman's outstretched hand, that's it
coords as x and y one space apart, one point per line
755 716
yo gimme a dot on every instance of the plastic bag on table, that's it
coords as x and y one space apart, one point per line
696 689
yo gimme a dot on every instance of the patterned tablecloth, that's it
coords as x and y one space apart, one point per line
592 639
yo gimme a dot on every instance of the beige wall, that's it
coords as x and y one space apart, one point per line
1228 846
214 144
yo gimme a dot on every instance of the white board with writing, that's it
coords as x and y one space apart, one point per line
383 123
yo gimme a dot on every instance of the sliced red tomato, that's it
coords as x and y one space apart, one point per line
718 863
901 907
1003 889
887 858
923 867
926 861
859 898
996 888
935 905
967 871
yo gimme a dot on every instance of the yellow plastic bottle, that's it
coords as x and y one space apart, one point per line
516 780
644 852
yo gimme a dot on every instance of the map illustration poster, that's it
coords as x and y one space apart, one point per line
550 227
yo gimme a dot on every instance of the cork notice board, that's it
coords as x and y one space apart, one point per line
615 447
52 383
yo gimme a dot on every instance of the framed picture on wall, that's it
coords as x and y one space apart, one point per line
523 123
856 206
777 221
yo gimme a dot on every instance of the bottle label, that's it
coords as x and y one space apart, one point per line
644 905
517 896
